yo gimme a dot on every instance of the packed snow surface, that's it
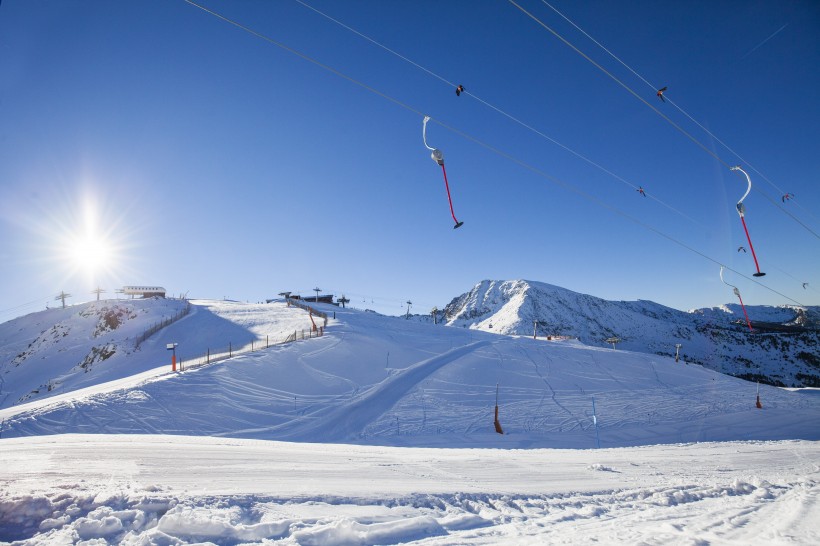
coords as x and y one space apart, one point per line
178 490
381 432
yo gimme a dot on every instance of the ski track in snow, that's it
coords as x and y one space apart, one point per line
351 418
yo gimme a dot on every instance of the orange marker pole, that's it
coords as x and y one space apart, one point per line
173 347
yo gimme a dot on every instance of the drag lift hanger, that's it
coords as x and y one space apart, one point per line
438 157
737 293
741 210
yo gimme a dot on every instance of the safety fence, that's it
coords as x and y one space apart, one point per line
162 324
302 305
232 349
257 344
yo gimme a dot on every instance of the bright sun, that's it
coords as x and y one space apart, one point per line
87 248
90 253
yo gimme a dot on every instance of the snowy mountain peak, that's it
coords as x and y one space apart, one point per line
486 299
781 350
513 307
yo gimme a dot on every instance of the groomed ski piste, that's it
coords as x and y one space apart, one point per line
381 432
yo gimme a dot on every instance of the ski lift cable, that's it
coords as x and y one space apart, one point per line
793 217
596 42
619 82
499 111
772 201
800 281
390 301
752 167
21 306
605 204
381 300
372 298
483 144
584 158
668 120
305 57
640 98
636 74
374 42
536 131
681 110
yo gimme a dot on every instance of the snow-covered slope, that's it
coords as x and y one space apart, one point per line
191 457
385 380
783 349
66 349
61 350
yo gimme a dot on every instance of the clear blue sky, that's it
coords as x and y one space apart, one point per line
214 163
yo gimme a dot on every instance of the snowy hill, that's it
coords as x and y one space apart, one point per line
261 448
781 351
61 350
66 349
380 380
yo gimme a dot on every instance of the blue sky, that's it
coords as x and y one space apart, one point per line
154 143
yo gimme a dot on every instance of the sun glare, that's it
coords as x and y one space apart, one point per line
84 240
87 248
90 253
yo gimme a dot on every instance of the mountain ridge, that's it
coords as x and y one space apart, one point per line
782 350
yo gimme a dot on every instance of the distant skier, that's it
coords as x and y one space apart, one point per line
786 197
660 93
741 248
640 190
459 89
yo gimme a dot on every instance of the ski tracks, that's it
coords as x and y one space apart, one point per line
349 420
553 394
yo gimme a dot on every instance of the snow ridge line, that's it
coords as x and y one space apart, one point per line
348 421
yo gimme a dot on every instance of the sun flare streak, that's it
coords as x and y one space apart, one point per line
87 246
